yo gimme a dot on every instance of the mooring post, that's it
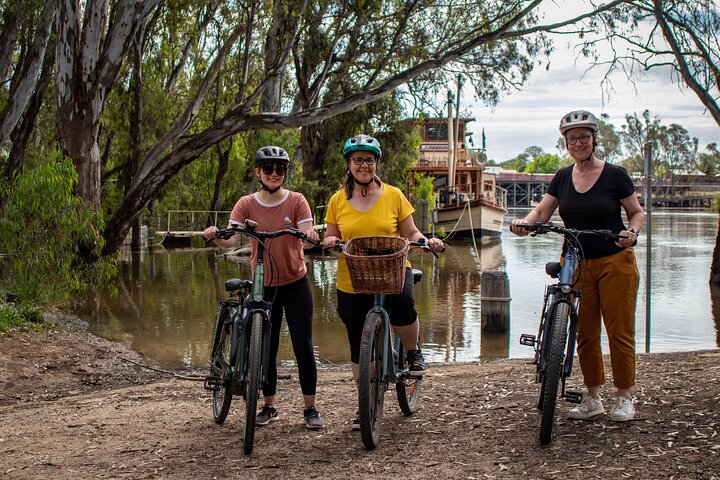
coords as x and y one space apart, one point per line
495 301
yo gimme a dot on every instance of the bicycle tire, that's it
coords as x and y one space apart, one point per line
408 389
553 373
371 381
222 363
252 383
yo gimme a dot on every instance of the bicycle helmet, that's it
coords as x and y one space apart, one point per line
578 119
271 154
362 143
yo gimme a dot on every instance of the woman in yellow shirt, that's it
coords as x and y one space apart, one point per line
368 207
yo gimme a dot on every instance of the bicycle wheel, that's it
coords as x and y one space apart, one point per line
554 368
221 365
408 389
371 384
252 384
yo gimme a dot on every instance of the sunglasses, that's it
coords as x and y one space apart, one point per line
279 170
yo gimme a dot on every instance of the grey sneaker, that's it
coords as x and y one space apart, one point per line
623 410
416 363
266 415
588 408
312 419
356 422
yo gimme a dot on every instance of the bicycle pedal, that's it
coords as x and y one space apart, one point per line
212 383
573 397
527 340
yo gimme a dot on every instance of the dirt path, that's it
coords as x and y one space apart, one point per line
70 408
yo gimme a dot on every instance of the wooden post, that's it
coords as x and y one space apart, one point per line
495 301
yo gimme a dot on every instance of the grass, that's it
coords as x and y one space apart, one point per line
14 317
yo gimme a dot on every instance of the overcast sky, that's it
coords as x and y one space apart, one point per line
531 117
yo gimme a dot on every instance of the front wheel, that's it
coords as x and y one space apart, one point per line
221 365
554 369
408 389
372 381
252 385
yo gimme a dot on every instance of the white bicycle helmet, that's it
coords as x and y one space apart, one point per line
578 119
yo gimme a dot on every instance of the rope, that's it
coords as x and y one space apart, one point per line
472 229
449 235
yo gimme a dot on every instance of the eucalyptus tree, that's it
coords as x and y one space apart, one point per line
26 62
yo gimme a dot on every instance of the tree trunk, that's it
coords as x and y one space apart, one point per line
715 266
136 120
21 135
223 166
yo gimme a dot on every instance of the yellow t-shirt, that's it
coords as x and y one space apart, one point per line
382 219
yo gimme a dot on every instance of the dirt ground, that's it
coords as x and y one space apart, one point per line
73 406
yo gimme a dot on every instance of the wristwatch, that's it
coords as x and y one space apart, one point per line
636 232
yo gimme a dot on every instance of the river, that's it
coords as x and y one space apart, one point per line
163 303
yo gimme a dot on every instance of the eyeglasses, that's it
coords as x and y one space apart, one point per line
583 140
279 170
360 160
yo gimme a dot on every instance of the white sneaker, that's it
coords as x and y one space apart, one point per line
588 408
623 410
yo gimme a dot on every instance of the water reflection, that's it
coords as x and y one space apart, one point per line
166 299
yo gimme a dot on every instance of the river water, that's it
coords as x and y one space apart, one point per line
165 300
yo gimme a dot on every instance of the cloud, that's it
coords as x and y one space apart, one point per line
531 116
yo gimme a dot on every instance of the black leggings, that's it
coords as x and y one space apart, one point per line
353 307
296 301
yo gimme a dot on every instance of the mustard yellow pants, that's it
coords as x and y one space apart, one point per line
609 292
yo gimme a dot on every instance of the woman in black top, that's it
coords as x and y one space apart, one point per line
590 194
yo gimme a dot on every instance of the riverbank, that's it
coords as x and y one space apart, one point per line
76 406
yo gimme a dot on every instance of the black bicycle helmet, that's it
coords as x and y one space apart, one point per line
271 154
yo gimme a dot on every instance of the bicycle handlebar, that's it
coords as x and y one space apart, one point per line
542 228
340 246
248 228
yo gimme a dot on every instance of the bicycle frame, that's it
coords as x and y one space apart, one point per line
389 374
252 303
560 292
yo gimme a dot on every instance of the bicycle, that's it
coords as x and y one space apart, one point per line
555 342
241 341
382 361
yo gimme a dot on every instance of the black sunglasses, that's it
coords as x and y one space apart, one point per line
268 169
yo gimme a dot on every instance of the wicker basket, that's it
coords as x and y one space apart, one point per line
376 264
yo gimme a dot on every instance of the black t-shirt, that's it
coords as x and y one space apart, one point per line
598 208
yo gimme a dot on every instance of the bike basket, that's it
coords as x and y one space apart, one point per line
376 264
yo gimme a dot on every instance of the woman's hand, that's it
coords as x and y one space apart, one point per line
519 231
311 234
330 241
435 244
210 233
628 241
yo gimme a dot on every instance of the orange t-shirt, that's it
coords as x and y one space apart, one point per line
284 256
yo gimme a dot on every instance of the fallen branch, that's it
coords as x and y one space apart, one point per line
194 378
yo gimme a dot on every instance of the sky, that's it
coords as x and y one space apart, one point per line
531 117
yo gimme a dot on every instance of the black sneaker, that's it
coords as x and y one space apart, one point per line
312 419
416 363
356 422
267 414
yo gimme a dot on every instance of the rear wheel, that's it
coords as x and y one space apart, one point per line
222 364
252 385
371 384
408 389
553 372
